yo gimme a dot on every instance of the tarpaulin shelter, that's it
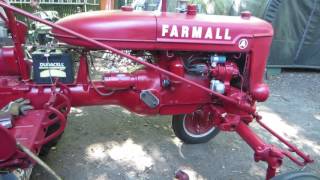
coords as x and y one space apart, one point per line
297 33
296 23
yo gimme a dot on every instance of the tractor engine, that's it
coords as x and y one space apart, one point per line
221 53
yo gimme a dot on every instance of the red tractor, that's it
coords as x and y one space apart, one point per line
206 71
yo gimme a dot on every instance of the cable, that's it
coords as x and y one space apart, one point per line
197 69
91 61
38 160
94 86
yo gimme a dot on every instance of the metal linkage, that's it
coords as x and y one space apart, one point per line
18 38
272 155
292 148
60 111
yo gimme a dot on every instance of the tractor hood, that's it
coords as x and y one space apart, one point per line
166 31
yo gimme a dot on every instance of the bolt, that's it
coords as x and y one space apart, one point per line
166 83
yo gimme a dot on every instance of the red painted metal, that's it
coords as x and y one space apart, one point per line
127 8
31 130
152 31
99 44
181 175
164 6
199 122
262 152
8 64
192 9
292 148
18 31
179 92
149 31
7 141
260 92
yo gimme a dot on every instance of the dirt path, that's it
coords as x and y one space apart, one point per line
111 143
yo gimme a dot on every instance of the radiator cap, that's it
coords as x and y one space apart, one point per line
126 8
192 9
246 15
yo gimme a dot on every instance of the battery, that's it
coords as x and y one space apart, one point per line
47 66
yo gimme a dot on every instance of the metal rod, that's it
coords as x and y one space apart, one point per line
38 160
251 138
293 148
19 52
164 6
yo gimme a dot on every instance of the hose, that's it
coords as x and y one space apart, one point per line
38 160
94 86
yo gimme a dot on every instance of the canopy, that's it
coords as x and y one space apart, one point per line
296 23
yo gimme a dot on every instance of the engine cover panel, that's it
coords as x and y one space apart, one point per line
164 31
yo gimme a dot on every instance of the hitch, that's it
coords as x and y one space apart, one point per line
292 149
268 153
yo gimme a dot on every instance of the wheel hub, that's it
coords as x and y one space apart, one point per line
198 123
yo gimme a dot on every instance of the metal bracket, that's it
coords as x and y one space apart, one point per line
149 99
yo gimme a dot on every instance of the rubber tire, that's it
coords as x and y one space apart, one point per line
296 175
45 150
179 131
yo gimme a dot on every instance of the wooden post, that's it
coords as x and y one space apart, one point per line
85 5
107 4
164 6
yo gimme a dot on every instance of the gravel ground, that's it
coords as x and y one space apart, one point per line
109 142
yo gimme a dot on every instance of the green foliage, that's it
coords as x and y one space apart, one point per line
63 10
226 7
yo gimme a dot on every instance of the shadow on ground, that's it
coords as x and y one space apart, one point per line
108 142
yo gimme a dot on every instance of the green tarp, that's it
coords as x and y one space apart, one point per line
297 34
231 7
296 24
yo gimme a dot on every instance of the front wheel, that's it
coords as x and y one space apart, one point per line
194 128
